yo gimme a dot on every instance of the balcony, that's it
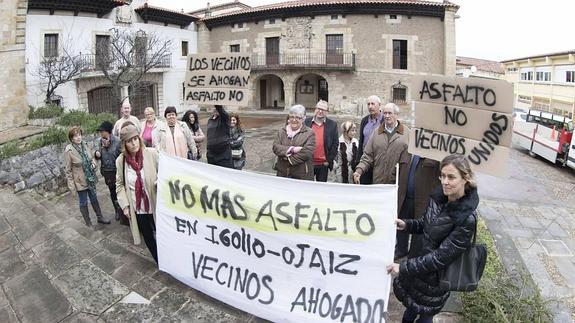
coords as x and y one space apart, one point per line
289 61
93 62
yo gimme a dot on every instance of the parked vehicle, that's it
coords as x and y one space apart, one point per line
547 135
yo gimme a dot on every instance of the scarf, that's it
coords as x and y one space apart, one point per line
176 144
137 165
86 165
291 133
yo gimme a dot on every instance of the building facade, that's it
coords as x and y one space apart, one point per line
482 68
544 82
340 51
13 107
81 26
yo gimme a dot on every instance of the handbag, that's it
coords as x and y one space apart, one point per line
464 273
237 153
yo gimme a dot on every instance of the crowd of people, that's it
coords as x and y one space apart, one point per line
435 199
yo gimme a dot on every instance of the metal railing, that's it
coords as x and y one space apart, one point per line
94 62
333 61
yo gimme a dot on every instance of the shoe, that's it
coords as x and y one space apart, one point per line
101 218
86 216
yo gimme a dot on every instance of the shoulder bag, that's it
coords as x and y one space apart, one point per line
464 273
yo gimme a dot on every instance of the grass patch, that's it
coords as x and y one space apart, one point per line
501 296
46 112
9 149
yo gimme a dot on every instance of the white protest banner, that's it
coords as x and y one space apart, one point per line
217 78
475 124
478 93
483 156
282 249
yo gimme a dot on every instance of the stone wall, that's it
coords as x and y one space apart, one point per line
41 170
13 106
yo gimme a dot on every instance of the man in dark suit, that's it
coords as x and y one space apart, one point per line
326 141
368 124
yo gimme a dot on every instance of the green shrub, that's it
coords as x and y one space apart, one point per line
46 112
503 297
54 135
9 149
88 122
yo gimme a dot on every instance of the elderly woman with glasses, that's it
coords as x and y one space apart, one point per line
294 146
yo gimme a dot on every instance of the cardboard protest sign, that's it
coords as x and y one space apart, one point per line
469 116
220 78
465 122
477 93
281 249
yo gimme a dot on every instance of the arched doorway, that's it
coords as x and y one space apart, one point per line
270 90
101 99
142 96
309 89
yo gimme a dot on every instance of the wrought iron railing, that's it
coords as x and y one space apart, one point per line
343 61
94 62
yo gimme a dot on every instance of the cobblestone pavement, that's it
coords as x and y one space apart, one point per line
530 213
54 269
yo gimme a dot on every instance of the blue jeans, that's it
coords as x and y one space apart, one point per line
83 196
410 315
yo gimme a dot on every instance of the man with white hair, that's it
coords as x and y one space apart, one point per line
384 149
326 140
368 124
126 116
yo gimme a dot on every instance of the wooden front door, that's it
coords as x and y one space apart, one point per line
263 94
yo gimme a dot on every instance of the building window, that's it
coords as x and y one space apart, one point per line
240 25
512 69
543 76
524 99
184 48
570 76
399 93
50 45
140 47
272 21
400 54
102 51
334 17
334 49
392 17
235 48
526 76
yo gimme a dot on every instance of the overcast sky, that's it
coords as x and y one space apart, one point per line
488 29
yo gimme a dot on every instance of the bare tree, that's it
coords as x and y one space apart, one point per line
128 56
57 70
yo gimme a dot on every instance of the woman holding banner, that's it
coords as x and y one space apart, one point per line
136 185
294 146
448 227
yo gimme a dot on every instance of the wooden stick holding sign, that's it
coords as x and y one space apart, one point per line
468 116
217 78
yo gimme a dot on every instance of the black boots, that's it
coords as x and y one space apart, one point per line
101 218
86 215
118 210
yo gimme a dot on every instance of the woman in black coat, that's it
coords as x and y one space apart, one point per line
447 227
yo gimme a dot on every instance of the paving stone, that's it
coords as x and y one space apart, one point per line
8 315
81 318
523 233
4 225
56 255
567 269
34 299
89 233
194 311
169 300
524 243
67 234
530 223
107 261
31 232
135 298
10 264
3 300
84 247
556 248
90 289
121 312
556 231
147 287
8 240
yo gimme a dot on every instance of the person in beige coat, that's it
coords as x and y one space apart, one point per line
384 149
294 146
174 137
137 172
81 177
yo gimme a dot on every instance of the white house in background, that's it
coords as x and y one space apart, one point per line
475 67
78 25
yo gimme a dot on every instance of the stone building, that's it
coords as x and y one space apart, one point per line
81 26
13 107
544 82
340 51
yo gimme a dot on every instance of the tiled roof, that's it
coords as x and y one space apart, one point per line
313 3
100 7
220 6
567 52
148 12
481 64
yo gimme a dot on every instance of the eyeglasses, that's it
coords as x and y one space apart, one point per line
450 177
295 117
